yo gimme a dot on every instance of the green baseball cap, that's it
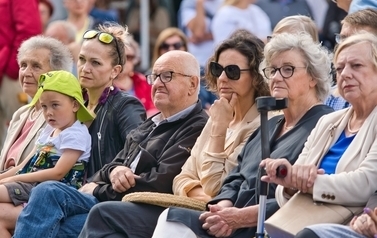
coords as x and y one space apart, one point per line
66 83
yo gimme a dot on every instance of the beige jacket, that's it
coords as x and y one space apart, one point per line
16 124
355 176
210 169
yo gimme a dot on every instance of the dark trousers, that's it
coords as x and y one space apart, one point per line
306 233
121 219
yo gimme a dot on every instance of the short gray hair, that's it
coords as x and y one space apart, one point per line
69 29
60 56
318 58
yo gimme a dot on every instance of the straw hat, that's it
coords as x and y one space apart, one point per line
165 200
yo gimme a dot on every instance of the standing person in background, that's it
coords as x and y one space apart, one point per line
159 19
45 11
133 82
195 20
240 14
78 15
19 21
278 9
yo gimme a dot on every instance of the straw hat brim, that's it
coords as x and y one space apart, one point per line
165 200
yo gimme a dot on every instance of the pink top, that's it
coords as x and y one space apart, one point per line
14 149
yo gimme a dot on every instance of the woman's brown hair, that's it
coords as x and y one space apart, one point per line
249 46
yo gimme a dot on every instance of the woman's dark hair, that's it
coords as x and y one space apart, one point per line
249 46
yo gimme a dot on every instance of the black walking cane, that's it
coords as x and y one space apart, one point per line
264 105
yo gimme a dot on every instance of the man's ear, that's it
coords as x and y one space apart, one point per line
194 84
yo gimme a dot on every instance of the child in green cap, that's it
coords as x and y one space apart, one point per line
62 148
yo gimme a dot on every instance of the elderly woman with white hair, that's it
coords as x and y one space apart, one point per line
338 163
352 178
298 69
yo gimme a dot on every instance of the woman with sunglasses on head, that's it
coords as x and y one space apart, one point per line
133 82
101 59
297 69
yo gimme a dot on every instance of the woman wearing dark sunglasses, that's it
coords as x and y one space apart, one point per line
171 38
297 69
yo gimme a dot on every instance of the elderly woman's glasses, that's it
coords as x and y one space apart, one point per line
285 71
165 77
176 46
233 72
103 37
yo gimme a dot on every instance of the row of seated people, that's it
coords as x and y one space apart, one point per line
156 150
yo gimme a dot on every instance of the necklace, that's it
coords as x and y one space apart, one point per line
348 126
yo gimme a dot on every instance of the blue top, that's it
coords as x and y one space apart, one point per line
357 5
330 160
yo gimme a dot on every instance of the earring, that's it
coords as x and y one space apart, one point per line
111 88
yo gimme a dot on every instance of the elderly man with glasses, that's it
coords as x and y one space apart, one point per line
152 156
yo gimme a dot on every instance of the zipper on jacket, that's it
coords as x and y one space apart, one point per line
99 135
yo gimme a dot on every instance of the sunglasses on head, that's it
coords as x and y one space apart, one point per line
103 37
232 71
176 46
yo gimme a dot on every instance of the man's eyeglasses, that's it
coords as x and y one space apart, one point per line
339 38
233 72
105 38
285 71
176 46
165 77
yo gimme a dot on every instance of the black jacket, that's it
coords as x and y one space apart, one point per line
164 151
115 119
